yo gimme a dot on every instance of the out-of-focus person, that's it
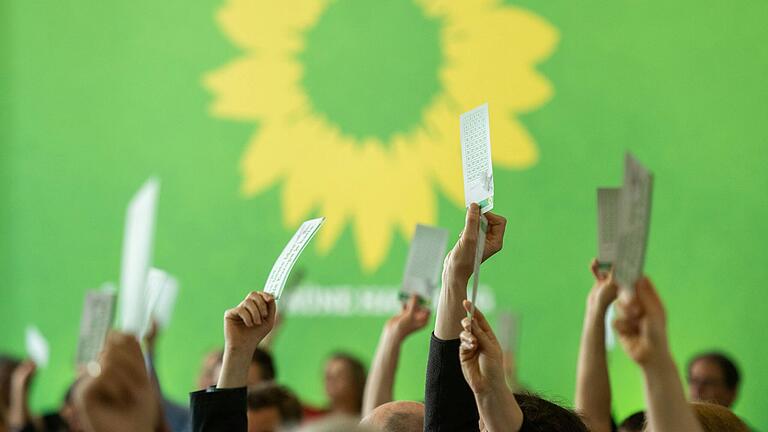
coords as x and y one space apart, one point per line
272 408
210 369
344 384
713 377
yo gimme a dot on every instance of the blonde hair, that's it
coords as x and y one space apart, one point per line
716 418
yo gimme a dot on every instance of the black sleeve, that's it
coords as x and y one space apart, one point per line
219 410
449 404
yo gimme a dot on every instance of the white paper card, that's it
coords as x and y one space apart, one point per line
37 347
607 225
282 267
476 160
165 298
137 255
425 260
483 229
610 336
634 221
508 324
98 312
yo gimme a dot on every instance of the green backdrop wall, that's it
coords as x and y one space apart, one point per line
97 96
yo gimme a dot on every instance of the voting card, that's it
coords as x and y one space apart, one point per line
37 347
634 222
508 325
607 226
164 298
610 336
282 267
98 312
425 260
476 158
483 229
137 255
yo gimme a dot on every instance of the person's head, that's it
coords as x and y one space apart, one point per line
633 423
262 368
717 418
345 383
272 407
336 423
713 377
209 372
544 416
398 416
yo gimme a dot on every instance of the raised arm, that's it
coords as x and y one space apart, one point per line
593 388
224 408
19 416
379 388
245 326
482 363
448 400
458 268
642 329
119 396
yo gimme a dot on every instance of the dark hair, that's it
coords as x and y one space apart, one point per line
267 366
634 423
357 370
728 367
269 395
541 415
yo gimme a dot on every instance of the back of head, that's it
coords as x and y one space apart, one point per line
716 418
336 424
542 415
263 359
270 395
398 416
209 371
633 423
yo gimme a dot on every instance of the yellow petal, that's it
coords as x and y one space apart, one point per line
511 144
256 88
269 26
493 54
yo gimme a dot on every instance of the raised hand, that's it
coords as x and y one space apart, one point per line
482 360
461 259
379 387
18 409
642 329
642 325
604 291
411 319
244 327
482 364
121 397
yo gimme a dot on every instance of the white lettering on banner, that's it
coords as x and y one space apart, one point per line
358 301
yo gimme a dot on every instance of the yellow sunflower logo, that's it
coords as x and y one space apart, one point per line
356 103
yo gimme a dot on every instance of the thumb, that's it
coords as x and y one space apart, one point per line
471 224
482 330
648 297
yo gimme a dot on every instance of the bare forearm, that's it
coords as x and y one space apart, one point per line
668 410
234 368
379 388
450 311
593 387
499 410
